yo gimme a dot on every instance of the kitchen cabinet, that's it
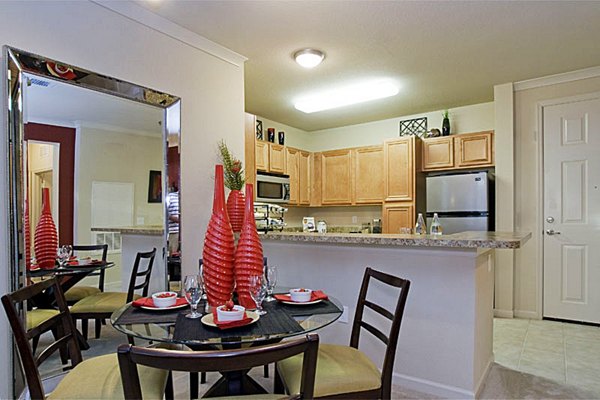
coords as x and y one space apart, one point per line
304 178
396 216
261 155
292 156
368 175
336 177
399 169
276 158
469 150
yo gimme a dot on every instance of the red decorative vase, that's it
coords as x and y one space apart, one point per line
235 209
219 248
46 238
249 253
27 233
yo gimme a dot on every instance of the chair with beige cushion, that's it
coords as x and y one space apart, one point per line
94 378
78 292
243 359
100 306
344 371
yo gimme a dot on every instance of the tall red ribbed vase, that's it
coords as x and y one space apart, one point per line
46 238
219 248
27 232
249 253
235 209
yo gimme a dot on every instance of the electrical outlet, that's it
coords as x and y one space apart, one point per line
354 219
344 317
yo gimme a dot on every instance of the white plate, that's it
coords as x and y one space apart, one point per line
299 303
175 307
208 319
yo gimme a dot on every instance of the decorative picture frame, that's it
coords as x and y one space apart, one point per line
413 127
155 187
259 130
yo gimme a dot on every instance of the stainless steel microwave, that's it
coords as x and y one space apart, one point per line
272 188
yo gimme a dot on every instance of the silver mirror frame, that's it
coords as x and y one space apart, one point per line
17 63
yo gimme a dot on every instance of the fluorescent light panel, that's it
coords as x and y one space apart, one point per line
346 96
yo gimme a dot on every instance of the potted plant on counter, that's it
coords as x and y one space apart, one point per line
234 181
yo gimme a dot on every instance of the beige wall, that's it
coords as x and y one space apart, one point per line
334 216
294 137
91 36
528 201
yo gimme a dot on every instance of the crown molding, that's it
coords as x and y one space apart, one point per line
153 21
586 73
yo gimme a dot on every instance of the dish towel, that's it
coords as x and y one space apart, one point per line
314 296
230 324
148 302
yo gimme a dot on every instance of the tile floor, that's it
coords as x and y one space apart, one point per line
563 352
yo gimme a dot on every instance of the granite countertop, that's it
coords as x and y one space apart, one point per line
150 230
471 239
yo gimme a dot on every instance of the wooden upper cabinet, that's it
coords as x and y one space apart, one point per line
292 170
368 175
466 150
399 169
304 178
277 158
474 149
396 216
336 177
261 156
438 153
315 179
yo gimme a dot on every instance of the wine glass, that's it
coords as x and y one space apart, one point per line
193 292
258 291
64 253
271 276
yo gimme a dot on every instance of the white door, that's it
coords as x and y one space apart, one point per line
572 210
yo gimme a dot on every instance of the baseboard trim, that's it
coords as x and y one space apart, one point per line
526 314
430 387
484 376
504 313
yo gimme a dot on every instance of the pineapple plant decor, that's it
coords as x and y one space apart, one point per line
234 181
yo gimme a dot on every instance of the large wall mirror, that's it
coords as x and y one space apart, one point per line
106 152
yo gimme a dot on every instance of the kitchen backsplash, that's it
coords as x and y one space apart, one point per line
347 218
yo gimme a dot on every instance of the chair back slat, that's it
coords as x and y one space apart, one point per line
380 310
217 360
148 258
62 325
391 339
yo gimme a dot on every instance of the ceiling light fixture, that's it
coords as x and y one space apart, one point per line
309 58
346 96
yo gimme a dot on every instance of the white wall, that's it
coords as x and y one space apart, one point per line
93 37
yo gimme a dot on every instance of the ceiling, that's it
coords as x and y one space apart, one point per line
443 54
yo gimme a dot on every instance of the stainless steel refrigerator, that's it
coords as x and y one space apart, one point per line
463 201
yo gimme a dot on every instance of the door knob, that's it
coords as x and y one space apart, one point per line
552 232
550 220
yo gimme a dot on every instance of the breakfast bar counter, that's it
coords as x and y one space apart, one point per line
445 344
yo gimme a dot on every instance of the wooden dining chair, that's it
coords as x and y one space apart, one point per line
344 371
131 357
100 306
78 292
94 378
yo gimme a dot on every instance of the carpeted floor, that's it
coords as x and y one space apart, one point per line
501 383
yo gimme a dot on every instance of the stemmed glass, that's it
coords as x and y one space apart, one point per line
192 287
271 276
63 254
258 291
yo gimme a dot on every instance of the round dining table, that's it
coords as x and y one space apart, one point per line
282 320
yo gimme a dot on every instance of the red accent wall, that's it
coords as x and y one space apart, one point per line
173 166
66 138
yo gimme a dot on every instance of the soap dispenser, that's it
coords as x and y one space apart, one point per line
420 227
436 226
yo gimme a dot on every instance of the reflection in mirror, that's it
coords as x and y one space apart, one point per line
94 143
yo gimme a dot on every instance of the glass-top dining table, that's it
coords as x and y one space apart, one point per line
282 321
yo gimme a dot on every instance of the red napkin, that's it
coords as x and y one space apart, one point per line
76 263
314 296
230 324
148 302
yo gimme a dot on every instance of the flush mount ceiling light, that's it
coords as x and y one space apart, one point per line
309 58
346 96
